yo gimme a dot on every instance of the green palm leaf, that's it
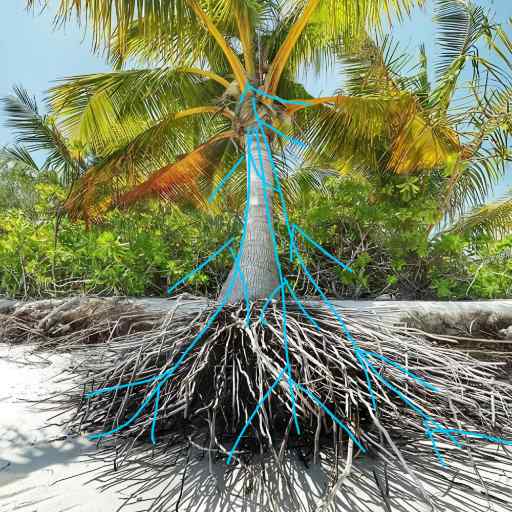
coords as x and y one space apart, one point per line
493 219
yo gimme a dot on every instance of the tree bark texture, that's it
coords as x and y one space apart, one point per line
257 262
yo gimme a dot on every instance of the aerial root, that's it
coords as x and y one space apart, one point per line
215 404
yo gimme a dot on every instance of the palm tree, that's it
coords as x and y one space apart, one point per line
172 130
224 83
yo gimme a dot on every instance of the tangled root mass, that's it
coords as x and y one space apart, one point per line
212 396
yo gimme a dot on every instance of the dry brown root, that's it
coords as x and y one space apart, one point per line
205 405
75 321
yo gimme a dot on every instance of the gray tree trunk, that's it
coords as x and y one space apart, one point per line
257 262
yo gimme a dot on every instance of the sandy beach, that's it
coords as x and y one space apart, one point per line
36 464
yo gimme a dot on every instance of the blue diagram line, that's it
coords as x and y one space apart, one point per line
155 416
277 180
439 428
228 175
288 362
393 388
357 349
333 416
281 280
163 378
289 138
252 133
253 414
418 379
321 249
200 267
437 451
268 301
168 374
431 426
246 90
301 306
109 389
276 98
293 248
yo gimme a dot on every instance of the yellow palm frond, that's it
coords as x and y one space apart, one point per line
418 145
338 20
281 58
394 126
234 61
181 179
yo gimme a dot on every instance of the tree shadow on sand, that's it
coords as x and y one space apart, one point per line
24 456
189 482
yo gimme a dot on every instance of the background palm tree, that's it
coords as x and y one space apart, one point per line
476 112
171 130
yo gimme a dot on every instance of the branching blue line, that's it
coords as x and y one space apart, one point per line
405 399
281 280
127 422
333 416
357 350
278 99
169 373
291 233
251 417
278 183
289 138
246 90
102 391
252 134
418 379
198 268
268 301
219 187
301 306
440 429
437 451
255 135
321 249
155 416
288 363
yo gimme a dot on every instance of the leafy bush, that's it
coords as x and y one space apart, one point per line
383 237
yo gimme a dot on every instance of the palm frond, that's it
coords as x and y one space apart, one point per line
129 165
314 30
420 144
460 25
182 179
492 219
109 109
20 154
391 132
472 185
109 18
106 17
37 132
191 48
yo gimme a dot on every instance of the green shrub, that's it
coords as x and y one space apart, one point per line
382 235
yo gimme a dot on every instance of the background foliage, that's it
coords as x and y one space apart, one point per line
381 232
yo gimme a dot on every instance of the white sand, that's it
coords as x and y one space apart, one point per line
32 466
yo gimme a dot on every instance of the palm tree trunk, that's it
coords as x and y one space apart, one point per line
257 262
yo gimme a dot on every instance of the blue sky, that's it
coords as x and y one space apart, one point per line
34 54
